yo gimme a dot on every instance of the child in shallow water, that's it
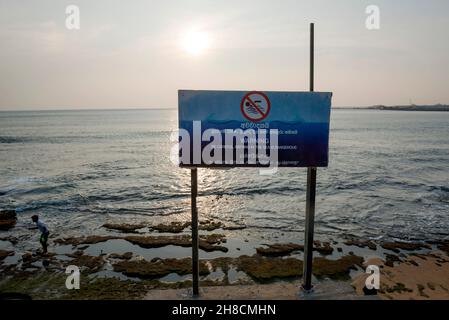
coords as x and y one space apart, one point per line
44 232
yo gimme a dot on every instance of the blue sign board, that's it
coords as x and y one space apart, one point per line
253 128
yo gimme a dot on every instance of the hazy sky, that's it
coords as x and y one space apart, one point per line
139 53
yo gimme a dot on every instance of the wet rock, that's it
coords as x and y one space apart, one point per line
8 219
11 239
390 259
123 227
336 269
211 242
234 227
210 225
7 224
27 257
209 248
421 256
265 268
7 270
421 289
5 253
361 243
437 256
75 241
109 289
398 287
49 285
124 256
147 269
258 267
173 227
177 227
29 283
90 263
75 254
8 214
224 263
323 247
279 249
397 246
207 242
413 262
442 245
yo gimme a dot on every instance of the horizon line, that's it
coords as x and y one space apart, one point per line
174 108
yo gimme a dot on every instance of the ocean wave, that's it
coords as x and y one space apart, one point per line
60 205
87 166
9 139
439 189
243 190
87 138
441 193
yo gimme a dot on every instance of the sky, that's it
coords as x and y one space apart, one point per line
137 54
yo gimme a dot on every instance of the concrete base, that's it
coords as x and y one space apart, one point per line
325 290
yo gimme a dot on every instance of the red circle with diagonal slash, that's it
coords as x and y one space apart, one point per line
247 98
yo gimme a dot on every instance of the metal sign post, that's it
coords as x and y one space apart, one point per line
310 196
195 261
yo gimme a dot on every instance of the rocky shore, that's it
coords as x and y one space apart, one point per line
409 270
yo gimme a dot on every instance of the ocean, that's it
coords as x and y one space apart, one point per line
388 176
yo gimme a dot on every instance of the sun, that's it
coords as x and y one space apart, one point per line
196 42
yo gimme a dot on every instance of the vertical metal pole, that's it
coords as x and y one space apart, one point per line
310 196
312 56
195 240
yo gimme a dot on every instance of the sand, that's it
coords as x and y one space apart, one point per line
416 277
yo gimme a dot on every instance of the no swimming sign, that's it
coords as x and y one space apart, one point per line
253 128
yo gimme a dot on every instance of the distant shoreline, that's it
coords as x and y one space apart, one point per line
437 107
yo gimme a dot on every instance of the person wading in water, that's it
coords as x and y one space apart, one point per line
44 232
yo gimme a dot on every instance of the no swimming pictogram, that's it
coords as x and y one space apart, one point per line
255 106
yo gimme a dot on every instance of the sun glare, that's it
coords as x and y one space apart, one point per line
196 42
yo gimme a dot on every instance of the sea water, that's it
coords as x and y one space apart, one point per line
388 176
